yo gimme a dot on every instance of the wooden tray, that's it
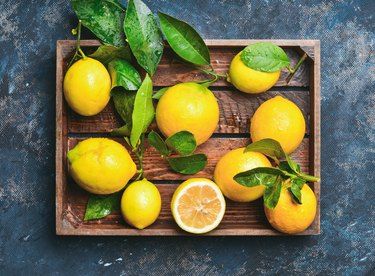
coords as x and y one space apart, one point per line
236 110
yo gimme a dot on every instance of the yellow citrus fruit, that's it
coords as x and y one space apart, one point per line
101 165
249 80
290 217
87 87
234 162
141 204
281 120
198 206
188 106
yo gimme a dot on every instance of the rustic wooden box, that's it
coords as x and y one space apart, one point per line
236 110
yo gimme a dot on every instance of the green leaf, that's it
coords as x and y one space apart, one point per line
182 142
188 164
143 112
102 17
258 176
269 147
293 165
300 182
158 143
184 40
272 194
296 193
121 131
265 57
124 104
106 53
100 206
160 93
144 36
124 74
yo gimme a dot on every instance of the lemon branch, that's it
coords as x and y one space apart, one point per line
78 52
294 70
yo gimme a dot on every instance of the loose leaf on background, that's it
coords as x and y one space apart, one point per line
268 147
184 40
102 17
100 206
143 112
258 176
144 36
124 74
160 93
188 164
182 142
121 131
124 104
272 194
158 143
106 53
265 57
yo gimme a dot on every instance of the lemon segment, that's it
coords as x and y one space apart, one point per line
198 206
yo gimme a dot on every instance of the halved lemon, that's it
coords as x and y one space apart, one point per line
198 206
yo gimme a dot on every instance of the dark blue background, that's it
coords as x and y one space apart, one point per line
28 34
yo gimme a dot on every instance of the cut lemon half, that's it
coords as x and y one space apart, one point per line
198 206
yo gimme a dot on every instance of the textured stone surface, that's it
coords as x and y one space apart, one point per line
28 33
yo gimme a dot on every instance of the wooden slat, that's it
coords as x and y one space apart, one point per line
156 168
236 110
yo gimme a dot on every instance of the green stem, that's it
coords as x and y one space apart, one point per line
78 52
309 178
140 162
209 72
294 70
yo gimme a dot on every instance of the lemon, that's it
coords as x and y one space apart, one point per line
198 206
289 217
87 87
234 162
188 106
281 120
141 204
100 165
249 80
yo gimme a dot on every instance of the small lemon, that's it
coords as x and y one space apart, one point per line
141 204
281 120
188 106
249 80
290 217
87 87
234 162
100 165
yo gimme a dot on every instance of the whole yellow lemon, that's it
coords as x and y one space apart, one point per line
100 165
281 120
188 106
249 80
87 87
290 217
234 162
141 204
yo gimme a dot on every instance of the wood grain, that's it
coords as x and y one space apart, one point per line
241 219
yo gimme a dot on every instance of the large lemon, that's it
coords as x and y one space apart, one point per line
249 80
281 120
234 162
87 87
290 217
101 165
188 106
141 204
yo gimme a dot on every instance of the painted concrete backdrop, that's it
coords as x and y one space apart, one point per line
28 34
